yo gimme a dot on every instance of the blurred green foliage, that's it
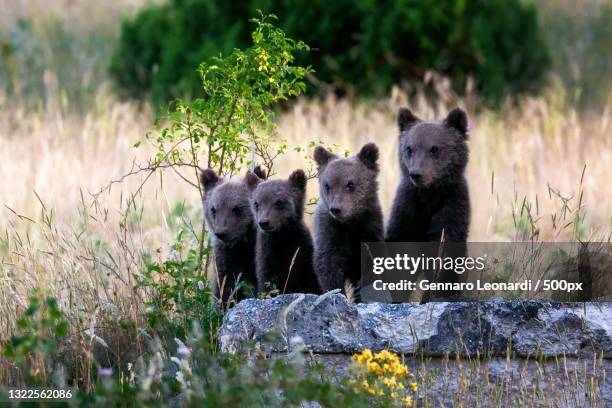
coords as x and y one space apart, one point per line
162 46
51 61
46 62
178 297
581 48
364 45
37 337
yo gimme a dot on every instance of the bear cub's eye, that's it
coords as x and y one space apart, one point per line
278 204
213 211
434 150
350 186
327 187
256 206
409 151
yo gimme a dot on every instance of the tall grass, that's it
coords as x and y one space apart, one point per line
539 168
525 173
516 154
527 151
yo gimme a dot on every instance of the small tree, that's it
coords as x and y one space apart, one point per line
231 127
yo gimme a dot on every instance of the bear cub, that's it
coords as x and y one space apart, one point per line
432 202
284 249
228 215
348 214
433 193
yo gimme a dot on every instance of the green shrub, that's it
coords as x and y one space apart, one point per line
35 342
366 45
178 297
48 63
161 47
194 377
581 55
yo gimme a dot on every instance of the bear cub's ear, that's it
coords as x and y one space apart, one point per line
406 119
457 119
209 179
252 180
298 180
368 155
260 172
322 156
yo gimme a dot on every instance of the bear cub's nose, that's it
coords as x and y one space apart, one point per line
416 177
221 235
335 210
264 225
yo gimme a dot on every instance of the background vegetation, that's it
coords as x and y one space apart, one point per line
364 45
117 271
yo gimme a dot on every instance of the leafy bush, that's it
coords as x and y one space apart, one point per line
194 377
187 373
162 45
362 44
178 297
230 127
36 340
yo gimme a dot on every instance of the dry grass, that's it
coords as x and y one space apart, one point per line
52 236
88 14
515 154
62 158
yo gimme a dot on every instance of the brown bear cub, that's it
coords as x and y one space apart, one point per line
284 246
228 216
348 214
432 202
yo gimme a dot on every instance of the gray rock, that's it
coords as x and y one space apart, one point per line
329 324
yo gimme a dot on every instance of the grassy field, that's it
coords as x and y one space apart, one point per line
536 151
539 169
525 173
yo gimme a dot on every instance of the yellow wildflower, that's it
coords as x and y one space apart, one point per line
390 382
385 355
363 357
262 59
374 368
383 373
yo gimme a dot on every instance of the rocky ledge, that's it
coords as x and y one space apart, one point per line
328 324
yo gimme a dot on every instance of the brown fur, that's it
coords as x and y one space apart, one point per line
230 222
348 214
432 201
284 249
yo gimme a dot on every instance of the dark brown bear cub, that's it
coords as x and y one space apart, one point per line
348 214
228 216
432 202
284 245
